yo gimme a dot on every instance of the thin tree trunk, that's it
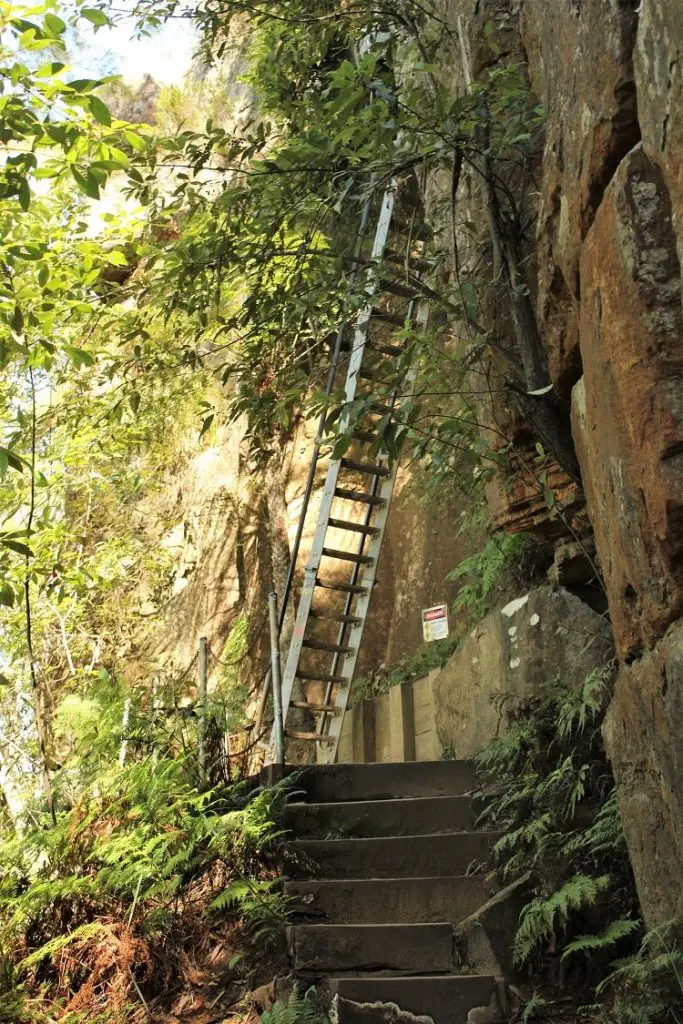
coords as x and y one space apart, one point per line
38 704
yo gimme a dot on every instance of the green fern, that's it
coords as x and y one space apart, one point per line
647 987
585 704
542 918
485 569
532 1006
613 934
296 1010
85 931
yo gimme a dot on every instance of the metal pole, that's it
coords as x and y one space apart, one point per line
278 725
203 675
124 732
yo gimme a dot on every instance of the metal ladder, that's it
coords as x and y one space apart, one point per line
360 509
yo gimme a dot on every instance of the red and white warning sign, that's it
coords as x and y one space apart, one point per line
435 622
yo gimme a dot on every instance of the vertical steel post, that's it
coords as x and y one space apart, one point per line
278 722
123 751
203 676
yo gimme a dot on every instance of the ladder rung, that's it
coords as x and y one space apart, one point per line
322 645
344 588
320 677
344 524
348 556
386 350
348 620
389 318
327 709
367 499
373 468
313 737
366 436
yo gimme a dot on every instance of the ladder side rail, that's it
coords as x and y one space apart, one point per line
329 385
328 751
374 489
313 565
348 602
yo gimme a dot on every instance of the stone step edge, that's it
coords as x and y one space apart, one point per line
499 987
479 876
397 839
402 800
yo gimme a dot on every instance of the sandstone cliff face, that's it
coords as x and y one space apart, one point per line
609 302
513 654
227 532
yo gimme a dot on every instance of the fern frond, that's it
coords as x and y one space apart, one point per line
613 933
296 1010
86 931
540 919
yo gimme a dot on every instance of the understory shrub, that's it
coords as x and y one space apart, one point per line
506 560
145 887
550 790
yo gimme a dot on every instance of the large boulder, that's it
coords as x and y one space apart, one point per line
581 66
512 654
643 733
628 407
658 64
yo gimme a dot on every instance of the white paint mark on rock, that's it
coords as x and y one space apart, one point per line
535 619
515 663
512 630
514 606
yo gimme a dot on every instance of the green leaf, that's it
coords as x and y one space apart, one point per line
54 25
116 258
118 156
99 110
206 425
134 140
86 182
47 70
79 356
134 401
24 194
18 320
16 545
95 16
83 84
7 597
8 460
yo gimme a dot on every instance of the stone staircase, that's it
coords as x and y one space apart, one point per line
389 863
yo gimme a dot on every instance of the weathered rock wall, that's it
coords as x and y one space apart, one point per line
513 654
226 535
608 291
632 351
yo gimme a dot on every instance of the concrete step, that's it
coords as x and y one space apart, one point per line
429 856
408 816
446 1000
404 948
389 900
333 782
